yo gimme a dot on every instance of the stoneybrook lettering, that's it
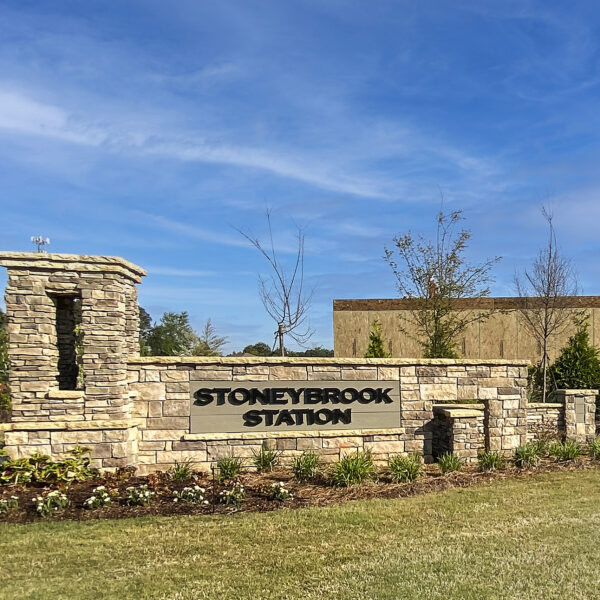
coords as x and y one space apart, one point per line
291 396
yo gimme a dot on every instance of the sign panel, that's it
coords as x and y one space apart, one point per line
243 406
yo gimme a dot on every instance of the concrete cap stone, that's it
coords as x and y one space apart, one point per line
41 261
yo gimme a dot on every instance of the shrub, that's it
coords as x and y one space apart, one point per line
376 349
543 446
193 495
595 448
101 497
353 469
139 495
229 467
279 492
449 462
8 504
50 502
490 460
578 366
183 471
305 466
41 468
527 456
235 496
405 468
565 451
266 460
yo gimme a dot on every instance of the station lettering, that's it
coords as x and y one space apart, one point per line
303 402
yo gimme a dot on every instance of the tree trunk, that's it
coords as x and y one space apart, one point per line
545 370
280 331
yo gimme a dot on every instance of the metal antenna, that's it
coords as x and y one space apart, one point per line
40 242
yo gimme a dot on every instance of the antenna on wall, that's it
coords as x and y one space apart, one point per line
40 242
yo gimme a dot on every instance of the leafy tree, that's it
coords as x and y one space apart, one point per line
318 351
258 349
578 365
376 348
433 275
545 285
173 336
145 330
209 343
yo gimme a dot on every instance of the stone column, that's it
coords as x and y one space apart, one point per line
580 413
460 431
505 417
43 377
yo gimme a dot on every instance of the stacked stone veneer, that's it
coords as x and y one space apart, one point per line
41 288
161 387
458 429
134 410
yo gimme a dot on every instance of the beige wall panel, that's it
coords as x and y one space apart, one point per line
505 334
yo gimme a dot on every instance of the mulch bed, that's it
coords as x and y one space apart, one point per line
316 493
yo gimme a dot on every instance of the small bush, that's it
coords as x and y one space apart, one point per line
193 495
490 460
229 467
43 469
449 462
352 469
565 451
8 504
405 468
543 446
266 460
279 492
305 466
50 502
595 448
101 497
183 471
235 496
139 495
527 456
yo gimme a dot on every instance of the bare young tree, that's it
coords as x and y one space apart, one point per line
545 286
282 292
434 275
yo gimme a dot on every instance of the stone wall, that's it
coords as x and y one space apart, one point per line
545 420
458 429
162 403
137 411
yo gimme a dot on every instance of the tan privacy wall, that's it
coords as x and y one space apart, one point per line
91 388
503 335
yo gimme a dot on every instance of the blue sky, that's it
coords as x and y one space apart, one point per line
152 130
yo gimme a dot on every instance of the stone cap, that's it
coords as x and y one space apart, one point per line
498 303
577 392
310 360
42 261
459 413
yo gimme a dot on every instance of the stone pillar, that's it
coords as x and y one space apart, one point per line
458 430
44 375
505 418
580 413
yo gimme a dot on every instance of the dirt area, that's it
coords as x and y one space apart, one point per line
256 486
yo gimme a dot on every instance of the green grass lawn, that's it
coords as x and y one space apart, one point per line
535 538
